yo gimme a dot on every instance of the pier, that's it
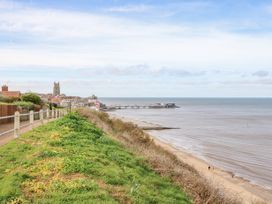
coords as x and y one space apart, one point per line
129 107
153 106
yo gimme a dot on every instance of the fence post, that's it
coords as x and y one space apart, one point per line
54 113
47 114
44 114
58 113
31 118
41 116
16 124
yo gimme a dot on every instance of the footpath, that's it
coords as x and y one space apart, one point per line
4 139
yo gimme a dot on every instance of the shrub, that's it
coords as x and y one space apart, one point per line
25 105
31 97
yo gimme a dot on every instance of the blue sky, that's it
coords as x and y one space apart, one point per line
171 48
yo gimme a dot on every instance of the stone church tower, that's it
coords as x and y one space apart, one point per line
56 89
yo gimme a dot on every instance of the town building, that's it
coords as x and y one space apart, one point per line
45 97
11 94
56 101
56 89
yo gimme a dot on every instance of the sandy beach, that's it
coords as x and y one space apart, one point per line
231 185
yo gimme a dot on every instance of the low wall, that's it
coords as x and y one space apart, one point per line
7 110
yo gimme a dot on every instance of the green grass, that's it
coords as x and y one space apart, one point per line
72 161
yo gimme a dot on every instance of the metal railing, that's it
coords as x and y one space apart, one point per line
22 120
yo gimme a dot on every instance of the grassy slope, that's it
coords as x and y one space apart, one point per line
162 161
71 161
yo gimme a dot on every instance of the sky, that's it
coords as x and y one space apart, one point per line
143 48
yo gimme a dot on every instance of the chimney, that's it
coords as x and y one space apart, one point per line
5 88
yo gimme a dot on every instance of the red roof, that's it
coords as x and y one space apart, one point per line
16 94
55 100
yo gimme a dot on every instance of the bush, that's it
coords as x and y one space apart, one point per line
25 105
31 97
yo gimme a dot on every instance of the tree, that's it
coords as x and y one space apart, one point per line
94 97
31 97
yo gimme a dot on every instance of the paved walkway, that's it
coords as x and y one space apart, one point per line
26 127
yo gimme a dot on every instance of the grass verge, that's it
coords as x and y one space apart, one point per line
72 161
162 161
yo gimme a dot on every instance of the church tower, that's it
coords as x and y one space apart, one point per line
56 89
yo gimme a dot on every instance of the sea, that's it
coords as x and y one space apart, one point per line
234 134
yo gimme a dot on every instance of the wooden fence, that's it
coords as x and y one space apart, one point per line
17 124
7 110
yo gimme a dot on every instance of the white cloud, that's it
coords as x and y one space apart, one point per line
76 39
130 8
88 45
63 24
